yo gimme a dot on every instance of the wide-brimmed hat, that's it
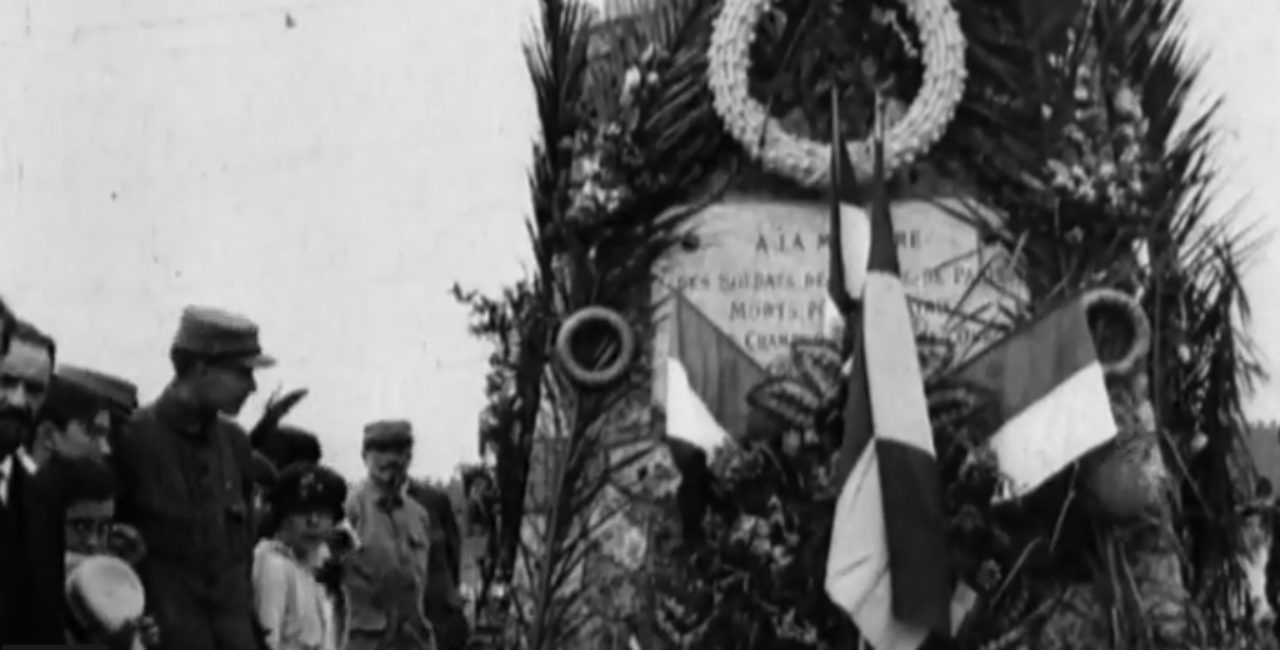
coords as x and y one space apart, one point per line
104 593
212 332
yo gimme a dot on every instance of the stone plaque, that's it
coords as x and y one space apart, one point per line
760 272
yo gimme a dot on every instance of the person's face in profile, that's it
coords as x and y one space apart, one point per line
227 385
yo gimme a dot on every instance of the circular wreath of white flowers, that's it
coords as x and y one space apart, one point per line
808 161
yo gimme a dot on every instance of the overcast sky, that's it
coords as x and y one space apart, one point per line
330 168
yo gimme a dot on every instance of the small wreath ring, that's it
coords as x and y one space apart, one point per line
808 161
577 370
1119 301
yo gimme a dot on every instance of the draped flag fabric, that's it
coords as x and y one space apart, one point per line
1050 395
851 235
708 377
888 566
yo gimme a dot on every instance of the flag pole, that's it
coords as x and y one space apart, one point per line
836 140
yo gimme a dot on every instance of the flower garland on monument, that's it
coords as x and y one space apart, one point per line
807 161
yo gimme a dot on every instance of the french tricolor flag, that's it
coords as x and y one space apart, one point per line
888 565
708 376
1049 397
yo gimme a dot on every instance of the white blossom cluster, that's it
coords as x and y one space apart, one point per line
598 181
596 189
1102 158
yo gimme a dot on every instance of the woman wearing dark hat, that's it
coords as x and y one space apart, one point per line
294 610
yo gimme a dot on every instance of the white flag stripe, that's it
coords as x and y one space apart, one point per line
859 549
899 410
858 572
832 320
688 417
855 247
1069 421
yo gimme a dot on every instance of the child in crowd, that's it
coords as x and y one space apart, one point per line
91 533
294 609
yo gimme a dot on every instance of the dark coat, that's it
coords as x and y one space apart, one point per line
46 505
442 602
185 484
32 607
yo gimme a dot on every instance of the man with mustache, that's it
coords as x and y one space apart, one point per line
386 577
26 371
185 483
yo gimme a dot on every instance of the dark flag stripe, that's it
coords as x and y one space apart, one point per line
858 430
1026 366
708 355
884 247
842 190
915 523
910 482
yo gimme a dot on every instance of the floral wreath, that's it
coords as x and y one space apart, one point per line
807 161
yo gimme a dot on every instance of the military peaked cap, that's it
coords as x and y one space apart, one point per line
212 332
388 432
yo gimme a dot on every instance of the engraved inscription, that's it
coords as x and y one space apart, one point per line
761 272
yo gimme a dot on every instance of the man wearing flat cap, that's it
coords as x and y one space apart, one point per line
387 575
73 425
85 410
185 475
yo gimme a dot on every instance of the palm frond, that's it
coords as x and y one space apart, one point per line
659 146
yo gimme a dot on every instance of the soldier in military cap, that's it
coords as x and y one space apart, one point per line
185 482
387 577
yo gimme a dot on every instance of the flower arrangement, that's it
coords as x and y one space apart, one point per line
1103 157
1063 124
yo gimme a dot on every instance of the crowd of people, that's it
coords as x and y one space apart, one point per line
168 526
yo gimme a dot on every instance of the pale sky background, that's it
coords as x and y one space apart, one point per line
332 180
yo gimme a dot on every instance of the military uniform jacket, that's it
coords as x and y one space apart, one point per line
185 485
386 576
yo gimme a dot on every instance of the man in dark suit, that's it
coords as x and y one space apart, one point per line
185 483
26 370
442 602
